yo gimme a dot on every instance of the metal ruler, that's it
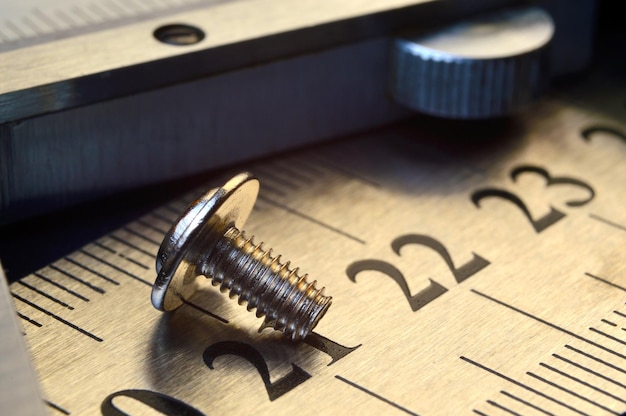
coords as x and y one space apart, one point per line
33 22
474 269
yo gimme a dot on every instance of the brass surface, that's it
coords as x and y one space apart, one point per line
536 326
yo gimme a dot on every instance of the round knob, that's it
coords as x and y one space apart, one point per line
486 67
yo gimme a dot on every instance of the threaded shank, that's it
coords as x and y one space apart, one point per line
289 303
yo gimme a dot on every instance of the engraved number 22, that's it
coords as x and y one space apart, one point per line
434 290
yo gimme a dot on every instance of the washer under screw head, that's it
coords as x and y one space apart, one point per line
207 241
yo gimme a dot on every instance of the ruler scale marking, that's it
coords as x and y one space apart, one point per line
113 266
57 407
273 190
123 255
44 294
174 211
41 276
102 246
375 395
33 26
72 276
204 311
346 172
606 282
142 236
133 261
522 385
119 11
99 11
311 219
152 227
526 403
71 23
292 173
90 270
56 317
604 334
45 19
608 222
570 392
582 382
592 358
503 408
265 175
20 35
29 320
551 325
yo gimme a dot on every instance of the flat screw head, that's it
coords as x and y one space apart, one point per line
207 241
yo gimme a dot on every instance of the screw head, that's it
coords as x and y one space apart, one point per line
192 237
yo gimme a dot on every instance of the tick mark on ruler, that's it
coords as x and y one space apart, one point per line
606 282
592 357
607 222
29 320
311 219
33 26
579 381
143 237
168 221
292 173
176 212
44 18
377 396
90 270
608 322
522 385
131 245
524 402
77 279
604 334
66 18
272 190
99 244
345 172
204 311
113 266
551 325
56 317
16 30
504 408
40 275
265 175
570 392
153 227
44 294
56 407
122 255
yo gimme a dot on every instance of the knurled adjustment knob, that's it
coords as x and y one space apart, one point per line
485 67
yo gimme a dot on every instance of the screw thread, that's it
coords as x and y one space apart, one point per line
287 300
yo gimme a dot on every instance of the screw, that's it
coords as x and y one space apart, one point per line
206 240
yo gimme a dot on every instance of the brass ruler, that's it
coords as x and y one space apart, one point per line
483 275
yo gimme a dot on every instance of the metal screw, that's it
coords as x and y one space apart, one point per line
206 240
